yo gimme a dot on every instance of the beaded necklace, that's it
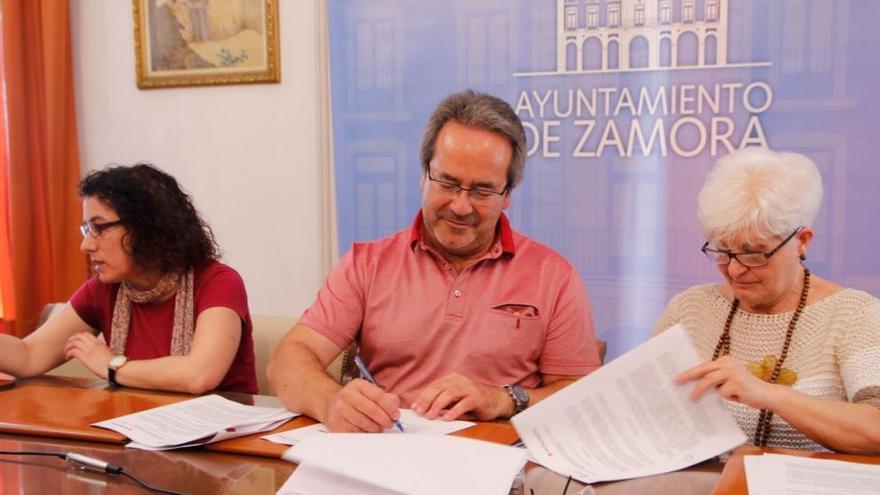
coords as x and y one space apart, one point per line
762 432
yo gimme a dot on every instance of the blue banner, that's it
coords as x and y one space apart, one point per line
626 104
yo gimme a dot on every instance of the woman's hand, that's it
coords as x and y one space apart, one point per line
733 381
91 351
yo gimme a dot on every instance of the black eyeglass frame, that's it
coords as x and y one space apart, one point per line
731 255
94 230
454 189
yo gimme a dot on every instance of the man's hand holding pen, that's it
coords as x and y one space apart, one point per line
360 406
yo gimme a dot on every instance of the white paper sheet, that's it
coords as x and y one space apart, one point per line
775 474
364 463
412 423
201 420
629 419
755 474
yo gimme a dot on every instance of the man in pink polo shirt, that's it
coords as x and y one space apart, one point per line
456 315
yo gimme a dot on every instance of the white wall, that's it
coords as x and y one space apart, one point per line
250 155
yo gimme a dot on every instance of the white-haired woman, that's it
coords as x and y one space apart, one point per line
797 357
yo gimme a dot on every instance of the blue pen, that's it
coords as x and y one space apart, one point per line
366 374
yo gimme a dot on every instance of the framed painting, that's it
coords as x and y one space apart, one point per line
204 42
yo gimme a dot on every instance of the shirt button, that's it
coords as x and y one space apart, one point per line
457 293
448 267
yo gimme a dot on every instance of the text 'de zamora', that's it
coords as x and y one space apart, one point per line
683 120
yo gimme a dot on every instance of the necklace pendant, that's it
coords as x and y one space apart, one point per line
764 371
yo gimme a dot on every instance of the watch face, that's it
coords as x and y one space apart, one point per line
520 394
118 361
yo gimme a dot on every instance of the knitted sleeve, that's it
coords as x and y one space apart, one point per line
858 350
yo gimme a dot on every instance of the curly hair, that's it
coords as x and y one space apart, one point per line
167 233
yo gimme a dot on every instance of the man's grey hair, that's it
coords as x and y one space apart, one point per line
759 194
481 111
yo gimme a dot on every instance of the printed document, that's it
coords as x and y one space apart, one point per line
365 463
195 422
775 474
411 421
629 419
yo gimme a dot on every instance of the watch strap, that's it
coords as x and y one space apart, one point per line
515 393
115 363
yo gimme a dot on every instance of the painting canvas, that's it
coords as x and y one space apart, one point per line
200 42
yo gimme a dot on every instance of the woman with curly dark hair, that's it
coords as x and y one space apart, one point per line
171 316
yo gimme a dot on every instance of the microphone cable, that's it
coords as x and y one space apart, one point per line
93 464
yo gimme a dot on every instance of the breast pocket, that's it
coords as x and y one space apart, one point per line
514 331
517 313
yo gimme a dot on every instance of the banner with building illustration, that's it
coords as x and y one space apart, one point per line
626 103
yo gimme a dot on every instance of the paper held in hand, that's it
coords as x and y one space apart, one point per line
195 422
629 419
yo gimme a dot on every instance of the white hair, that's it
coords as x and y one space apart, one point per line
759 194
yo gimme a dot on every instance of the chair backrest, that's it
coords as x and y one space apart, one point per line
268 332
74 367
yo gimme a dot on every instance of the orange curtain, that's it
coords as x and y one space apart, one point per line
39 260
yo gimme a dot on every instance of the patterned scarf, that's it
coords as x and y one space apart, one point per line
184 327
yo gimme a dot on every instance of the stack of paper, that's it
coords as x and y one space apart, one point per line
364 463
411 421
629 419
195 422
774 474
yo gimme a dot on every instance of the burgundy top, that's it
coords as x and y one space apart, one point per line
149 336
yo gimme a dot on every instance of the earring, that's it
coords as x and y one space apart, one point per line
803 257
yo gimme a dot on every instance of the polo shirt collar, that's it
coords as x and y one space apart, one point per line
503 233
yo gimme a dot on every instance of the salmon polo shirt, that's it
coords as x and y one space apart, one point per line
517 314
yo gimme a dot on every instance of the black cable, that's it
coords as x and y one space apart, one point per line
565 490
87 462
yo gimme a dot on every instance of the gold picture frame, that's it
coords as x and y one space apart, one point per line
206 42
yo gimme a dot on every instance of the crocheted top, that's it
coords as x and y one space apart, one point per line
835 350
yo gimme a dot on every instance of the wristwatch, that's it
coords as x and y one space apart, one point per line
519 397
115 363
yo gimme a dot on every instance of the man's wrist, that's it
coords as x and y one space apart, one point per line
518 399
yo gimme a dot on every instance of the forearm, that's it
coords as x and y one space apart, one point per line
840 426
17 358
13 356
535 395
300 381
171 373
538 394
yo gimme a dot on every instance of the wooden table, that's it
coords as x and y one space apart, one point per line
60 407
191 471
53 414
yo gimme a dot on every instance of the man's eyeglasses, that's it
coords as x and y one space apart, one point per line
94 230
749 259
476 194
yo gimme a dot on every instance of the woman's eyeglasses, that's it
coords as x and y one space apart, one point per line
94 230
749 259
